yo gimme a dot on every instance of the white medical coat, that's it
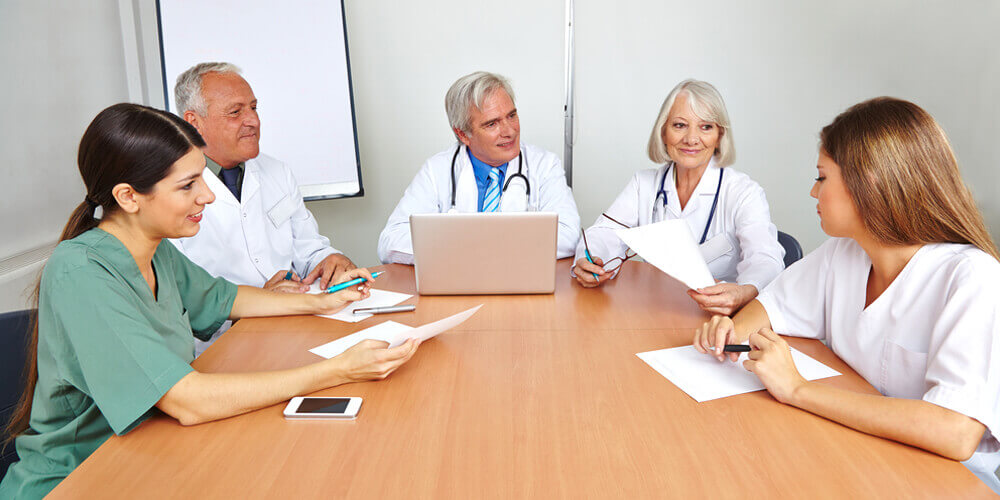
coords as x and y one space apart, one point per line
742 244
933 334
430 192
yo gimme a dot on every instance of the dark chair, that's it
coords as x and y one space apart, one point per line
13 343
793 251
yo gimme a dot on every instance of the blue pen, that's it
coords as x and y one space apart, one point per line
288 275
355 281
586 251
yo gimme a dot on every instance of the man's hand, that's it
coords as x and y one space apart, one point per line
329 269
278 283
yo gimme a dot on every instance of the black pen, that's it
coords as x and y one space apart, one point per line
736 348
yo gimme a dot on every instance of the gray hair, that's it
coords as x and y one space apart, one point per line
471 90
707 104
187 90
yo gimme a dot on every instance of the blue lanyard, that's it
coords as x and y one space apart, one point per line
715 201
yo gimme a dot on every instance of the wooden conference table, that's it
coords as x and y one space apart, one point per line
534 396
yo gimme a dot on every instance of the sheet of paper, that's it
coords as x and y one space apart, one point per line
393 333
704 378
378 298
669 246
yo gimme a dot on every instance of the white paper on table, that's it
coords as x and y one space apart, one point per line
378 298
393 333
704 378
669 246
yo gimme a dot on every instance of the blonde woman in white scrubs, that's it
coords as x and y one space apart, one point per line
724 208
906 292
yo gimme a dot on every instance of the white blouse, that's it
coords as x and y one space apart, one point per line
933 334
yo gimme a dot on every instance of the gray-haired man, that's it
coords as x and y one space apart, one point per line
470 175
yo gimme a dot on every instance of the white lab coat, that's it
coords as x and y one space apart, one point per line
247 241
742 244
430 192
933 334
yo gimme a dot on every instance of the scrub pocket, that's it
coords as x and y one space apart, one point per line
904 372
281 211
716 246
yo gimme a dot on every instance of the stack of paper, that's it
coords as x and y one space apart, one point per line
393 333
704 378
378 298
669 246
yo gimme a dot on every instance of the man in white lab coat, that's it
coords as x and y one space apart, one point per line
258 231
487 170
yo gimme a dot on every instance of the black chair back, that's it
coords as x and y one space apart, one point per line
13 343
793 251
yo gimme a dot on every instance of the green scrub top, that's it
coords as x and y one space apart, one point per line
108 350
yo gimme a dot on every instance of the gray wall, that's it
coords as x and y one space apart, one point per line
62 63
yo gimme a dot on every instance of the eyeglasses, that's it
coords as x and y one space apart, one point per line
612 265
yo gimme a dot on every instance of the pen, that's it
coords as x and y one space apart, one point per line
387 309
288 275
586 251
736 348
355 281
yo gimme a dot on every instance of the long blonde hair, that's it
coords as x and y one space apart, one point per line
902 174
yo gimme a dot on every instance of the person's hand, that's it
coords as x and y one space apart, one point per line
723 298
584 272
771 361
278 283
331 303
372 360
330 270
713 336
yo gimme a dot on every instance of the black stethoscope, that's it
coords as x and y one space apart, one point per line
520 173
662 194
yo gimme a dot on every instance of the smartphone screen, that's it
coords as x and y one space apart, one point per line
323 405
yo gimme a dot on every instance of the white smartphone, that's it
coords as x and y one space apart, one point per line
323 408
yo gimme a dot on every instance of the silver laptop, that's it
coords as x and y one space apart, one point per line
477 253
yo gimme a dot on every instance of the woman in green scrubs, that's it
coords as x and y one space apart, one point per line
117 307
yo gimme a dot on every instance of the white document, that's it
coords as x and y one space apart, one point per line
393 333
378 298
669 246
704 378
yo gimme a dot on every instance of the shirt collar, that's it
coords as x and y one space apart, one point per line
482 169
216 168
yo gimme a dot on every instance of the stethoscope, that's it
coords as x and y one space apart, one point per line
519 174
662 195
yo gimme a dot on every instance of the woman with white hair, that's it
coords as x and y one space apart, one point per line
726 211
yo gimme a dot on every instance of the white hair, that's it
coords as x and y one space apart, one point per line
707 104
187 90
471 90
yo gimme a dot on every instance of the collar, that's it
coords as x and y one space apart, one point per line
217 169
706 187
482 169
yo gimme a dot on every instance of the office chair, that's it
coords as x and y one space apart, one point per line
13 342
793 251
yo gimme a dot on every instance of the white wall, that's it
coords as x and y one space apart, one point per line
62 63
785 69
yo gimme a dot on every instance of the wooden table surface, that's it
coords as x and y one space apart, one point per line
535 396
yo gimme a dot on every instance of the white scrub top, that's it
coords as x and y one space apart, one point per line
742 244
933 334
430 193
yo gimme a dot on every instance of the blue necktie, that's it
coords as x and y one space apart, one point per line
229 178
491 202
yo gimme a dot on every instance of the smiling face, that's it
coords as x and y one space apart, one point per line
837 214
495 132
173 208
690 141
230 126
